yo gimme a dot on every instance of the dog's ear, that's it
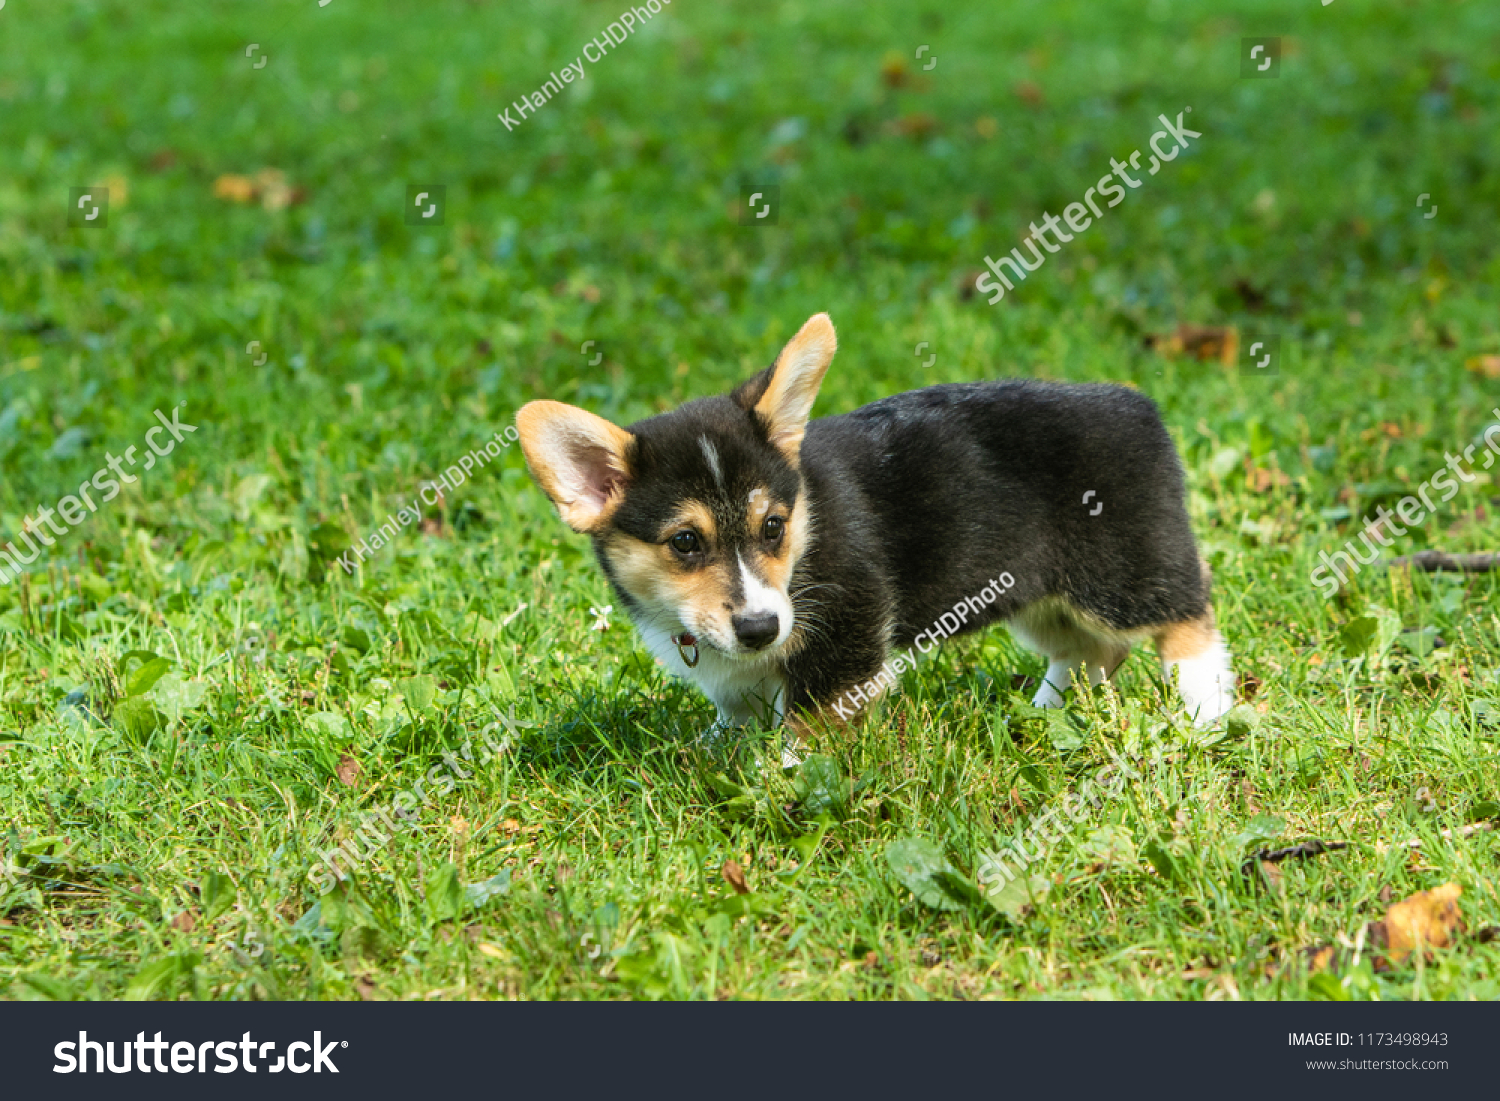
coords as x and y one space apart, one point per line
787 397
580 460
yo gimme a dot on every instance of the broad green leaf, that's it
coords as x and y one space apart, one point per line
1111 845
151 980
1420 642
820 786
215 895
1259 830
1018 896
177 695
477 894
1357 635
122 666
923 870
137 718
330 725
148 674
1065 730
445 894
1162 859
419 691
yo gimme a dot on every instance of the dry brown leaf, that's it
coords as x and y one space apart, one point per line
1204 343
917 125
734 875
1272 874
119 190
269 185
237 189
1484 366
1320 958
1030 92
275 193
184 922
893 71
348 771
1260 479
1428 919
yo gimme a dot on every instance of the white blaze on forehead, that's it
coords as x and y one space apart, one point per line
761 599
713 460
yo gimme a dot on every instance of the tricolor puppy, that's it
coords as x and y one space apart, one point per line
778 564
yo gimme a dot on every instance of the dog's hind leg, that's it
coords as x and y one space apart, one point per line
1074 652
1195 650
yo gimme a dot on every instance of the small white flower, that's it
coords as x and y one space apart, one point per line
601 620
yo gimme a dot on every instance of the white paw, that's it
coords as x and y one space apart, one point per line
1207 684
1051 694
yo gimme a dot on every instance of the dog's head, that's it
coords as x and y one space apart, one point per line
698 515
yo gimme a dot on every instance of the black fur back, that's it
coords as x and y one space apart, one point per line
921 499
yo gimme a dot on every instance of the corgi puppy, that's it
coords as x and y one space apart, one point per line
778 563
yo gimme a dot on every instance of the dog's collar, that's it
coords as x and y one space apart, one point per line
686 642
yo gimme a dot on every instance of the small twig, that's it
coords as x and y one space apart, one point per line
1302 851
1433 561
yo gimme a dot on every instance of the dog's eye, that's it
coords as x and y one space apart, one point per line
773 529
686 542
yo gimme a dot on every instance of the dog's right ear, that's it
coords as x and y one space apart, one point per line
581 461
783 395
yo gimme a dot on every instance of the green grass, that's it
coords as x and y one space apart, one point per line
164 830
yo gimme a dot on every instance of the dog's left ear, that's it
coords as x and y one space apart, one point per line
580 460
787 400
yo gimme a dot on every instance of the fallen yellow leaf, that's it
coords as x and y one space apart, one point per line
1484 366
237 189
1429 919
734 875
119 190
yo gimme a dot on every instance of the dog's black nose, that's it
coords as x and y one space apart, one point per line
756 631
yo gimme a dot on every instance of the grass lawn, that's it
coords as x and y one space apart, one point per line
196 699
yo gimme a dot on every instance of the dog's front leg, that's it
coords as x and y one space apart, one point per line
761 705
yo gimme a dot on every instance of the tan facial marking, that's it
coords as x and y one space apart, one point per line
777 569
694 515
656 576
757 505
